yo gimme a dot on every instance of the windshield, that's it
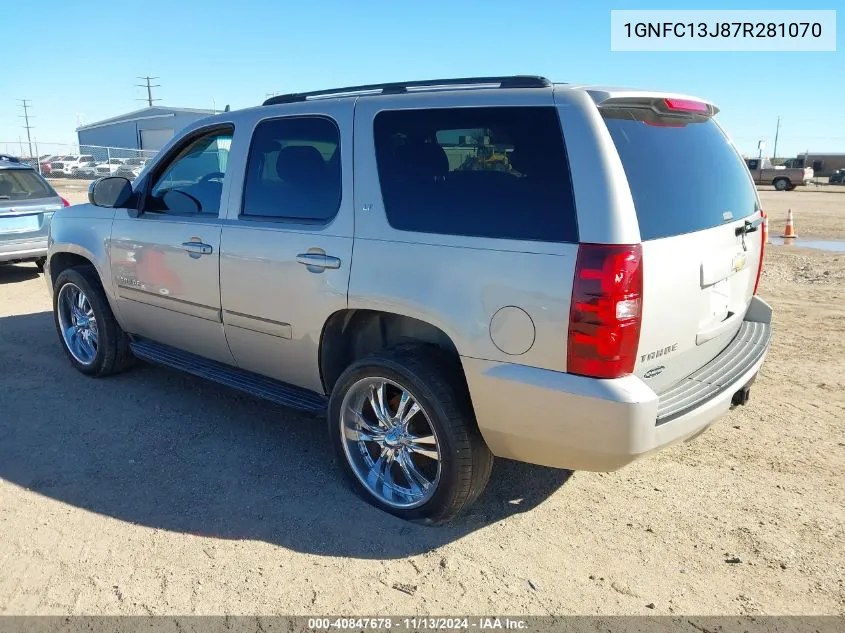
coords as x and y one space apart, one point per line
23 184
684 174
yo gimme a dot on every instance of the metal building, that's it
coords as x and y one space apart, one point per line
147 129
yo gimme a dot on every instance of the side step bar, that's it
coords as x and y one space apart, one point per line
248 382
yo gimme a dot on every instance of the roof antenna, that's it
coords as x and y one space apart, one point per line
226 109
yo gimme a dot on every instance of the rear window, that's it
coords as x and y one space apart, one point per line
684 174
23 184
482 172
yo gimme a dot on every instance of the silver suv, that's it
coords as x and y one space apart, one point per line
447 270
27 202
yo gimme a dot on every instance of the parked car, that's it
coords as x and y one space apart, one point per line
68 164
85 170
84 167
57 165
44 163
27 203
837 177
108 167
130 168
579 306
781 178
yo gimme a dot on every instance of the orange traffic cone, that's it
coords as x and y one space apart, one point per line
766 230
790 226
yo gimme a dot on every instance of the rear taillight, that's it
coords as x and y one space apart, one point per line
65 202
765 238
604 320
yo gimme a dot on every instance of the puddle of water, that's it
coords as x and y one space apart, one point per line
823 245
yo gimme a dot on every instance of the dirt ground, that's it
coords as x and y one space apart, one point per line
157 493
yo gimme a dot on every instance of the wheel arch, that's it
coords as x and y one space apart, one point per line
351 334
64 256
62 260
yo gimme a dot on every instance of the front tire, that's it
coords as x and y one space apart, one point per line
402 426
87 329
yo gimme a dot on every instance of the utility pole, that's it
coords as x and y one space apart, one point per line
26 104
149 88
777 131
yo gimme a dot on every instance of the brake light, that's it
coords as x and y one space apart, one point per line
661 124
65 202
765 238
605 316
686 105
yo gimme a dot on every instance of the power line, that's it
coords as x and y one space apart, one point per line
26 104
149 88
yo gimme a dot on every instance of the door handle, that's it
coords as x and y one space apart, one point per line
318 260
198 247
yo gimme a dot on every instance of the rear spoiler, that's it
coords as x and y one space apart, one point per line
608 96
662 105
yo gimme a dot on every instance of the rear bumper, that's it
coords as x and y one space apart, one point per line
21 250
566 421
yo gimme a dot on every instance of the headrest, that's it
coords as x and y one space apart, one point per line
300 163
422 161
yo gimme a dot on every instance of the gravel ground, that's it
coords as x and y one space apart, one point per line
157 493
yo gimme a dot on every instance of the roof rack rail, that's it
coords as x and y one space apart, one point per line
514 81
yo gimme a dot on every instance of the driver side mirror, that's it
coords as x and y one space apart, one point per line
110 192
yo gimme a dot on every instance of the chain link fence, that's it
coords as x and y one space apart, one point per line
80 162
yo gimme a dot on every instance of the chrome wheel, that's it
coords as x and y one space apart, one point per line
390 442
78 323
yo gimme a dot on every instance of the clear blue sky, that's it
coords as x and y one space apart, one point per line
79 60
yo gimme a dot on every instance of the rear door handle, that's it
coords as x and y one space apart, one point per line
198 247
318 260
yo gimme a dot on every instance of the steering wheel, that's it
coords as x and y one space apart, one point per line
217 175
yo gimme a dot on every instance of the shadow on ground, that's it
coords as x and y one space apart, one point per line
10 274
166 450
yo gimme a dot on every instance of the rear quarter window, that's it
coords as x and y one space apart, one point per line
498 172
684 175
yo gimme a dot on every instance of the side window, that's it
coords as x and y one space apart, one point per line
498 172
193 181
293 171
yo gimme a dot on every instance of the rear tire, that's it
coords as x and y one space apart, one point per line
781 184
434 465
87 329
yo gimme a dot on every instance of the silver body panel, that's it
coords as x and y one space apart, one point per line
503 304
274 306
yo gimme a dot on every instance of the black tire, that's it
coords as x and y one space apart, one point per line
113 353
39 264
781 184
437 384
